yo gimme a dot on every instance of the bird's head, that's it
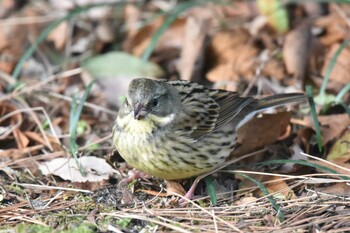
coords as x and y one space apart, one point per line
147 98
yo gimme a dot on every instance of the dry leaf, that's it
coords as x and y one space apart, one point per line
336 28
174 187
195 32
7 123
261 131
341 70
246 201
20 153
275 69
21 139
59 35
341 148
276 184
171 38
97 169
331 126
232 55
335 189
39 139
297 50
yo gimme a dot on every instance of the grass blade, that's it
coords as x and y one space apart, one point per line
314 116
342 92
43 35
73 123
329 71
266 193
209 182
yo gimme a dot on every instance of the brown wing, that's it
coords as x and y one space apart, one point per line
206 110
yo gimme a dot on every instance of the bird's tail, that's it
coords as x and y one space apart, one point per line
279 100
265 103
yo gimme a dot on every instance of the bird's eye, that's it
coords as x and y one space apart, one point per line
155 102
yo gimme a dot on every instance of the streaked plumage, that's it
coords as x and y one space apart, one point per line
178 129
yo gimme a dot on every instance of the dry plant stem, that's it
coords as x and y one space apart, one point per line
190 193
35 158
341 12
254 79
86 104
8 78
52 199
214 221
325 161
113 229
31 19
47 187
139 217
208 212
95 142
38 85
31 110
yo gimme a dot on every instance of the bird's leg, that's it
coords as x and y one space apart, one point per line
190 192
132 175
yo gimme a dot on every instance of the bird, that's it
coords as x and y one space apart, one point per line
179 129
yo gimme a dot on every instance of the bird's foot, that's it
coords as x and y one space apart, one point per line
132 175
189 195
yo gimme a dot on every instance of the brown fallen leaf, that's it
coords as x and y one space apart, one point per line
233 55
341 69
335 189
274 69
246 201
59 36
261 131
20 153
22 140
37 137
332 126
274 184
174 187
297 50
277 185
335 26
171 38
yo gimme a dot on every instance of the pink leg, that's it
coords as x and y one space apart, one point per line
132 175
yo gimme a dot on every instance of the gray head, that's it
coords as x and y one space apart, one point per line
147 96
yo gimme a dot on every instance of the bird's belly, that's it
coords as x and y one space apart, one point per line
168 157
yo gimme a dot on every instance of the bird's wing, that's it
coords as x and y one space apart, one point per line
206 110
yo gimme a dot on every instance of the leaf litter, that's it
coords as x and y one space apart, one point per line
239 46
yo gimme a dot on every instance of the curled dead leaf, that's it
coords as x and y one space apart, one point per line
261 131
174 187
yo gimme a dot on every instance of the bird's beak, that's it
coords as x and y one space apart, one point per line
139 111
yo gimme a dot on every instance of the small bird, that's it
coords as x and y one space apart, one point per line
179 129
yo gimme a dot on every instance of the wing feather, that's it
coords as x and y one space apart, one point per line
206 110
